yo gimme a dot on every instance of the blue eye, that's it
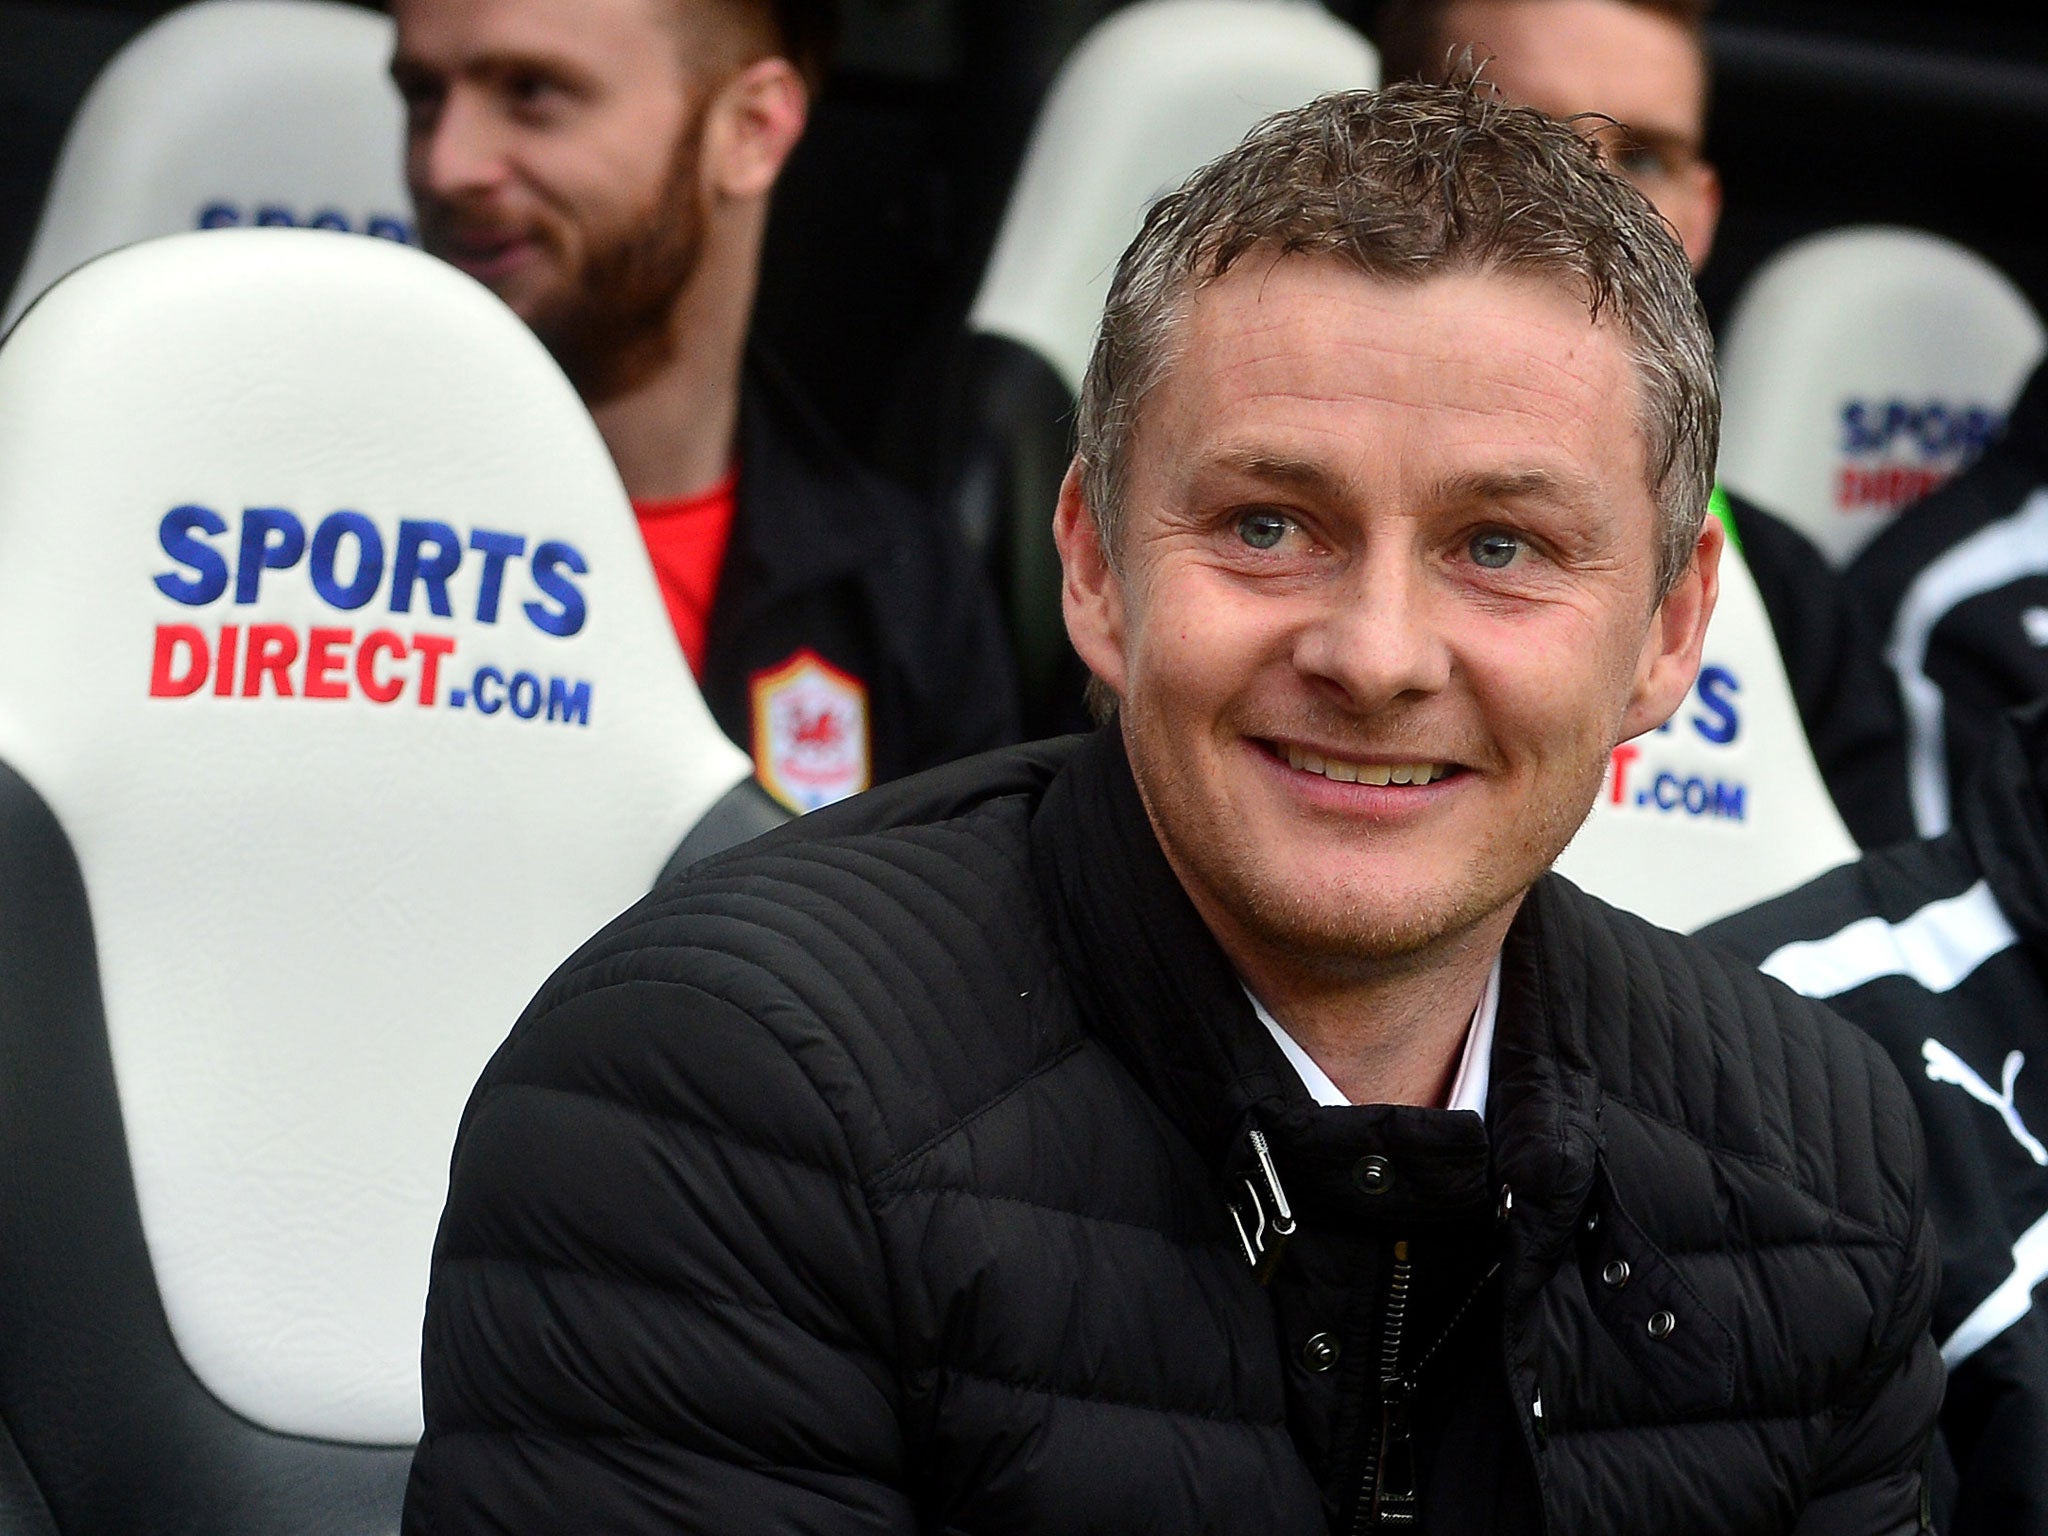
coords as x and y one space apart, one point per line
1495 551
1262 530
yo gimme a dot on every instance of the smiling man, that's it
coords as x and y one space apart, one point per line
1635 76
605 167
1224 1122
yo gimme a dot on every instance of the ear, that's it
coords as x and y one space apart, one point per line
1091 592
1670 658
751 124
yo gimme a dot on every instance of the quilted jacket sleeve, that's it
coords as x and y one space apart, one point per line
1875 1479
1884 1455
658 1302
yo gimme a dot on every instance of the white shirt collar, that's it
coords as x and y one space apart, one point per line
1475 1064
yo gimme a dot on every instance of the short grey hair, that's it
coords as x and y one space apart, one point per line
1404 183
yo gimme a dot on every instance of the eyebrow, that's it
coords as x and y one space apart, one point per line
1664 138
1511 485
1277 469
495 63
1662 141
1474 485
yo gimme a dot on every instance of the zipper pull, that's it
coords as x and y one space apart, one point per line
1263 1218
1393 1489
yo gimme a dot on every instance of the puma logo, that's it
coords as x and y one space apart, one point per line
1945 1066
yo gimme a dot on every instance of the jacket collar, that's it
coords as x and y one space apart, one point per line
2026 428
1545 1098
1149 976
1154 985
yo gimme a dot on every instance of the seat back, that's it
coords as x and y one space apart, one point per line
1158 89
1722 806
337 706
224 113
1860 368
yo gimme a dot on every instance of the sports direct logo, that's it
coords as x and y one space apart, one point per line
1896 451
226 215
394 582
1650 774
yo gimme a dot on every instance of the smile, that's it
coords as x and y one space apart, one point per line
482 251
1345 772
483 254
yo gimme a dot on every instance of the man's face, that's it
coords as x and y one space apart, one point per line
1565 57
552 154
1387 600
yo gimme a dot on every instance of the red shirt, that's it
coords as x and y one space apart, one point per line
686 538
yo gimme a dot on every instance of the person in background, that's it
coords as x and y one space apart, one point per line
1635 75
1223 1121
1958 586
605 167
1939 949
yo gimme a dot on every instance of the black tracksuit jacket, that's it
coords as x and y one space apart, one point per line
879 1176
1940 950
1957 586
1847 698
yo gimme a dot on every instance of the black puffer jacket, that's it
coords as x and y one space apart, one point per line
874 1177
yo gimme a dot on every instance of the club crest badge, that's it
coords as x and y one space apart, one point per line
810 732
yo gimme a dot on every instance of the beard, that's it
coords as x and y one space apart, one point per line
609 323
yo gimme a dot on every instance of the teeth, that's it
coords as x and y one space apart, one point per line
1365 773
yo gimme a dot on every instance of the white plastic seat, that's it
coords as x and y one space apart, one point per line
1723 806
1862 367
1153 92
1156 90
328 645
224 113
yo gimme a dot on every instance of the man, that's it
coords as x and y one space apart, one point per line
1959 587
605 167
1221 1122
1635 74
1641 65
1940 950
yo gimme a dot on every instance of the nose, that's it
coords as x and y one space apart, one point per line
457 152
1378 636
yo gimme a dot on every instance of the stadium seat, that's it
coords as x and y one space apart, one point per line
1156 90
228 112
1723 806
1862 367
337 706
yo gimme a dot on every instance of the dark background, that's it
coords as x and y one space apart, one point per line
1826 113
